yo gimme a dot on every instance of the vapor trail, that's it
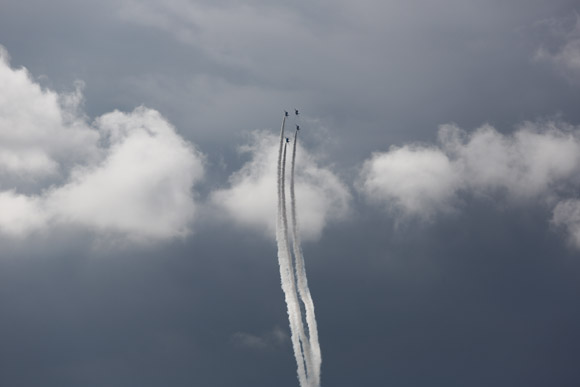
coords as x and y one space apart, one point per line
286 273
302 282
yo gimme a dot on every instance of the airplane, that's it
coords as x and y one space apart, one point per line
297 127
285 113
287 139
296 111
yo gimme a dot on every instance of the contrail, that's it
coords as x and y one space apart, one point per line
302 282
286 272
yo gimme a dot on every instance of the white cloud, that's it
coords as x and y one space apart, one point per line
20 214
129 174
251 198
143 185
538 161
38 128
417 180
528 163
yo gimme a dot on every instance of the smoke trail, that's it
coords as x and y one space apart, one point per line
302 282
294 305
286 272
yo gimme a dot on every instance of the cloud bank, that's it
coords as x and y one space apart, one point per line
128 174
539 161
251 198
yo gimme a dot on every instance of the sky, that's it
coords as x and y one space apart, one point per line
438 191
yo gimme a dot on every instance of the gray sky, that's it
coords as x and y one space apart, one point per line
437 190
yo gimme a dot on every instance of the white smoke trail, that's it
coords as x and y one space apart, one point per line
294 306
286 272
302 282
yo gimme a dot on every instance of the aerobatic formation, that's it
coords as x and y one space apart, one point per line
293 274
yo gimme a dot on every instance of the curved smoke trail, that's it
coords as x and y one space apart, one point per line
302 282
286 272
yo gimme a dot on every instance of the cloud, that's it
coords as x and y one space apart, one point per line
266 341
566 215
39 130
531 162
414 179
565 57
229 33
251 198
19 214
142 187
129 174
539 161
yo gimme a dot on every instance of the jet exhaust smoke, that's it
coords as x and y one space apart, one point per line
302 281
286 274
293 276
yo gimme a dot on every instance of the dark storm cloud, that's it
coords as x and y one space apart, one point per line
485 297
374 63
496 303
369 67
